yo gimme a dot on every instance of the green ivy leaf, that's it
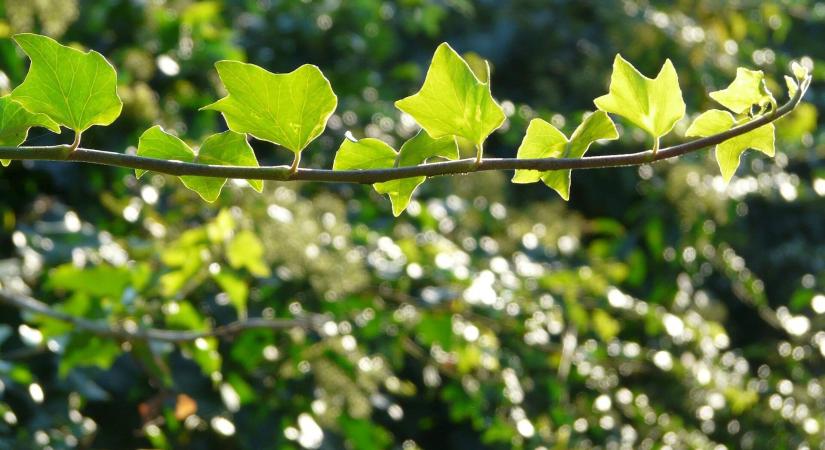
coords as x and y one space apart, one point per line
75 89
364 154
543 140
453 101
224 149
15 122
746 90
728 153
375 154
655 105
289 109
799 71
414 152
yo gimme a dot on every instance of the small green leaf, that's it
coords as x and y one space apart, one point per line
655 105
799 71
543 140
414 152
223 149
746 90
728 153
75 89
375 154
289 109
453 101
364 154
793 86
15 122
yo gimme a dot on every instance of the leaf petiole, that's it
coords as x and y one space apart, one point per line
295 161
76 142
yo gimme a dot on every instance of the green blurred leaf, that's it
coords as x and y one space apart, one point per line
287 109
85 350
654 105
746 90
234 287
605 325
222 149
15 122
453 101
543 140
246 250
728 153
75 89
183 316
97 281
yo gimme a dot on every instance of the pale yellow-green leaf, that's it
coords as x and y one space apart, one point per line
746 90
654 105
289 109
15 122
375 154
224 149
799 71
75 89
728 153
453 101
415 151
246 250
543 140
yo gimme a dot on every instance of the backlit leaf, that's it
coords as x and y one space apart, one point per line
75 89
224 149
746 90
15 122
364 154
289 109
375 154
414 152
655 105
453 101
728 153
543 140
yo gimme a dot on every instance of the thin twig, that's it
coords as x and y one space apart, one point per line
30 304
284 173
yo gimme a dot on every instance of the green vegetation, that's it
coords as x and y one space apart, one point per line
662 305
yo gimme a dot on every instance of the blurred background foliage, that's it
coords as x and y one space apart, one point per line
660 308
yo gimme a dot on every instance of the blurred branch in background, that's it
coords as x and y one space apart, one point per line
32 305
